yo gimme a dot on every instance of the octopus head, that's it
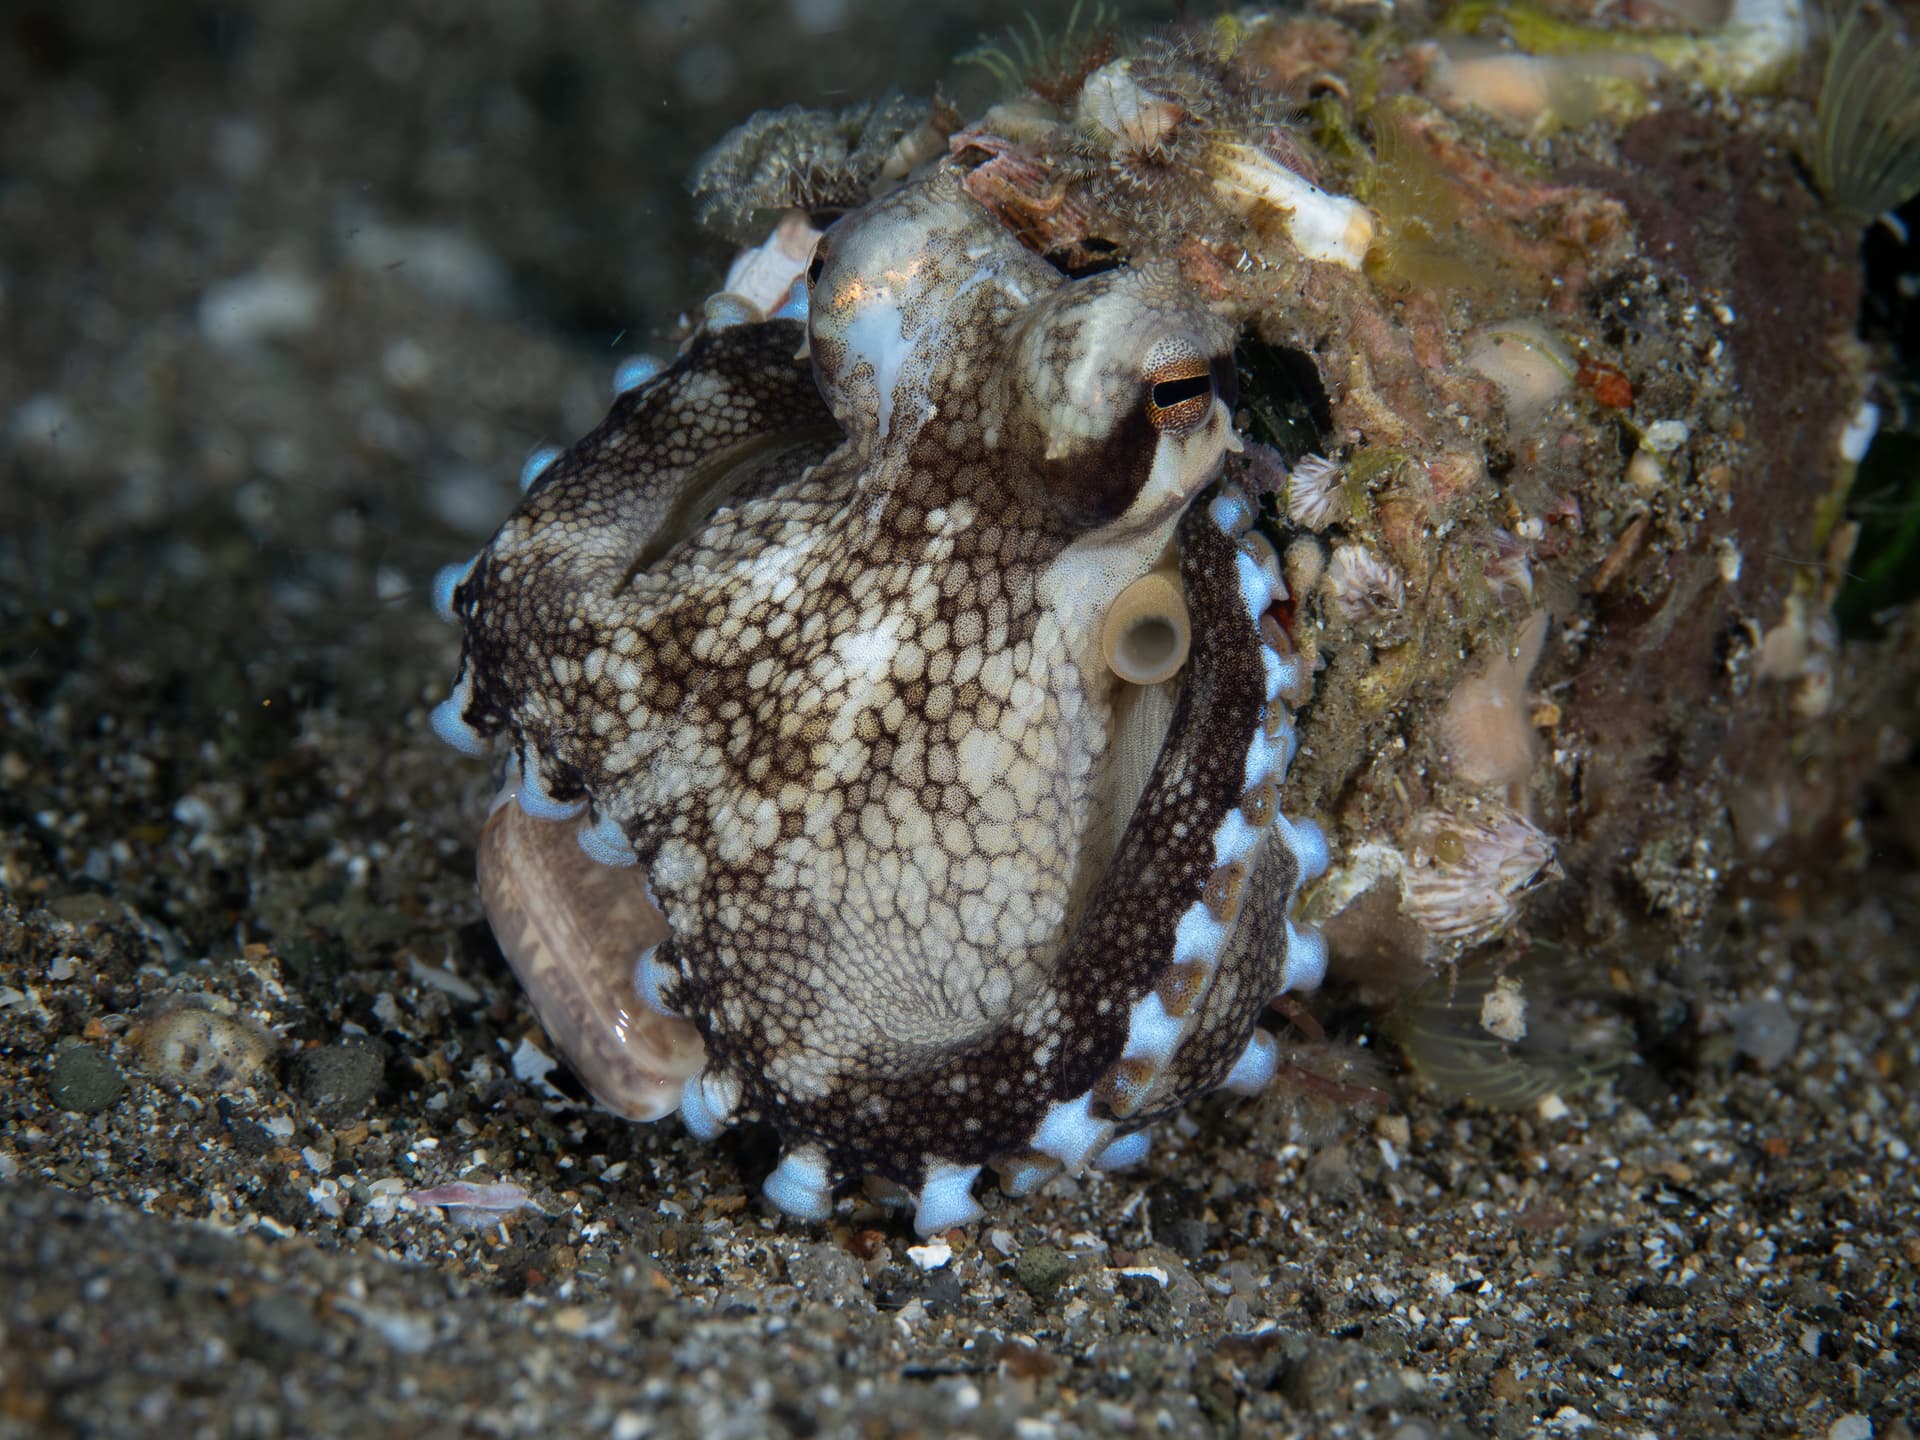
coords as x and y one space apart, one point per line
1120 394
1105 400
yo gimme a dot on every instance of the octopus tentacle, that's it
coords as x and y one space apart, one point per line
571 929
735 410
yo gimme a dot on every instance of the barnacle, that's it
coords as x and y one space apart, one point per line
1148 121
1316 492
1865 152
820 161
1118 113
1465 873
1361 586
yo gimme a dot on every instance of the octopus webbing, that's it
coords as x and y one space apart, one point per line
884 838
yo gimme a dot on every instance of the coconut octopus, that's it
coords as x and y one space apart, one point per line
900 675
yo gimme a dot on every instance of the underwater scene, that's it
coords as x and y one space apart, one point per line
804 717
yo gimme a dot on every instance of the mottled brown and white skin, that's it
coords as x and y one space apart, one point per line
814 652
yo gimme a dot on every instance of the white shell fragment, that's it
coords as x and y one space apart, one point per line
1322 226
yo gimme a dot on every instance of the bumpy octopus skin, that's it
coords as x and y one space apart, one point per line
815 656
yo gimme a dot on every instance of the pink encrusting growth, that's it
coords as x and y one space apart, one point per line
1487 725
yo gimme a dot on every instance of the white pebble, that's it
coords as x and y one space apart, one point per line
1663 437
1858 436
931 1256
260 306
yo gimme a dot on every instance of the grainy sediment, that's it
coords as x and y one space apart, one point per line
285 298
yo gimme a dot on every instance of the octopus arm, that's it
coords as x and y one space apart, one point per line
1150 999
736 409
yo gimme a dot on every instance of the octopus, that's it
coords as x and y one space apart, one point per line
892 742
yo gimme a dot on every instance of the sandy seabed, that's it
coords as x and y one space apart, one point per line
287 293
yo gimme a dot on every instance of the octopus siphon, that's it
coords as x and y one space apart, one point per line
892 743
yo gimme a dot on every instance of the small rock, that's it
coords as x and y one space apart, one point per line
1330 1171
45 423
1178 1216
439 261
1324 1377
1503 1013
288 1319
464 498
1764 1032
1663 437
341 1079
1019 1360
1188 1237
826 1272
85 909
942 1292
84 1080
934 1255
1505 1386
1041 1270
1758 1387
405 1331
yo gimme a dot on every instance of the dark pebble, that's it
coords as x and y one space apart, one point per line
1662 1296
1041 1270
941 1294
342 1079
286 1319
85 1079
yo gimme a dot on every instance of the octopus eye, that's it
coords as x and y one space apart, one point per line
819 262
1179 387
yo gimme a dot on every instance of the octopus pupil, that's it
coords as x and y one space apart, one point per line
1169 393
